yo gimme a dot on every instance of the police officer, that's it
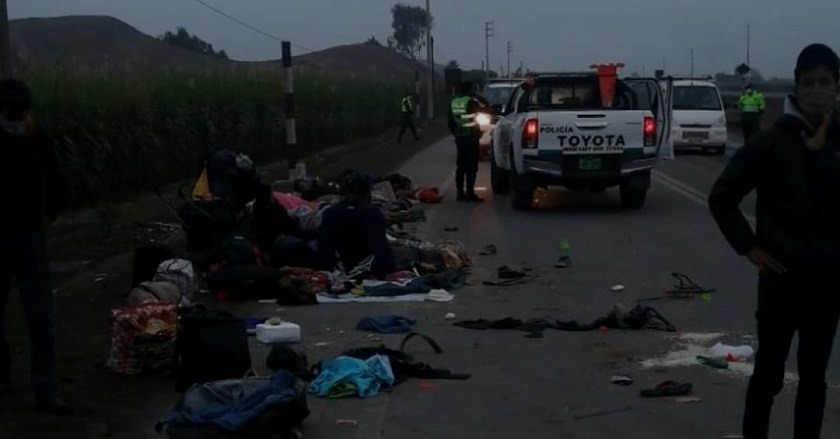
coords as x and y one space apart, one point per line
462 112
407 111
752 107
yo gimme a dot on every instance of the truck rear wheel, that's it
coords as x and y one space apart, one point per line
632 197
499 178
523 192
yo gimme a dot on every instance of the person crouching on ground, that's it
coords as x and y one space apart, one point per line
354 229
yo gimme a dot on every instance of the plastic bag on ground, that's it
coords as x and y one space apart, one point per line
731 353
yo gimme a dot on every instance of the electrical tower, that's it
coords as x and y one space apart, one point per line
509 50
488 32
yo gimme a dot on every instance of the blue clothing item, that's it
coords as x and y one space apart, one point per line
368 376
232 404
386 324
25 256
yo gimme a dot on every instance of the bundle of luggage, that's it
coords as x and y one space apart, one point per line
143 331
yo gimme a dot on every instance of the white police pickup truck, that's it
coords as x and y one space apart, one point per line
560 129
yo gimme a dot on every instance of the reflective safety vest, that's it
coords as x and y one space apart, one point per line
407 105
465 121
751 102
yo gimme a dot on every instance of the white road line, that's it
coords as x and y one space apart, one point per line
690 192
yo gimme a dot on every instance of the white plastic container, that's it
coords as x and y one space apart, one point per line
285 332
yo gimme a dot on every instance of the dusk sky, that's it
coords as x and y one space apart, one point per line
546 34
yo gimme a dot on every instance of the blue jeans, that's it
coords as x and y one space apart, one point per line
24 256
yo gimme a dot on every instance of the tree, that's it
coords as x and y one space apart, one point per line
755 75
183 39
409 24
372 41
452 65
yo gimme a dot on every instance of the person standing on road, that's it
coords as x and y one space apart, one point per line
407 112
794 168
29 189
752 108
462 113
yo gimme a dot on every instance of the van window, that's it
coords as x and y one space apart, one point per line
696 97
498 95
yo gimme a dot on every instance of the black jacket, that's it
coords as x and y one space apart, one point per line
30 184
355 232
798 194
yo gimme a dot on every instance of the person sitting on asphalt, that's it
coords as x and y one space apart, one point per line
354 229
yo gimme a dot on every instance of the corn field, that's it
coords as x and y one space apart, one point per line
117 135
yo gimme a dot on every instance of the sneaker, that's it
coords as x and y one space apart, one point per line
54 406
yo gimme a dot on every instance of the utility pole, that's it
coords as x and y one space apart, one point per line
430 92
692 62
748 46
5 50
297 170
509 50
488 32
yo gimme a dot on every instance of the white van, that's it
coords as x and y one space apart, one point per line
699 119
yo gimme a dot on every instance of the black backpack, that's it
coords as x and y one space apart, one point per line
211 345
283 357
239 250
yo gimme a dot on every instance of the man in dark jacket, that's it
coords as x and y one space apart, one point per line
29 188
355 229
795 169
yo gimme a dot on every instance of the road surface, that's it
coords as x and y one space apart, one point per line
538 388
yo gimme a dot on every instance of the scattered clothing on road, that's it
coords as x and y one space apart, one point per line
386 324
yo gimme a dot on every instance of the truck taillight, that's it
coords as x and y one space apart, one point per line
650 131
530 135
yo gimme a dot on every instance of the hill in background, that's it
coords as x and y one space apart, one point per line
101 43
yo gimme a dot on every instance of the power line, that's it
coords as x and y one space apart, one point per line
253 28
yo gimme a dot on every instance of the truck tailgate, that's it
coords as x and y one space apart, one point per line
590 132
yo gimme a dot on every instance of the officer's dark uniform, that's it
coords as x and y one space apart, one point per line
462 124
407 111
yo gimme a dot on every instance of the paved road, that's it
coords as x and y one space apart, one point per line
534 388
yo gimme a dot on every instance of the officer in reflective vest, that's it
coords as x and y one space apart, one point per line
407 111
751 105
462 112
